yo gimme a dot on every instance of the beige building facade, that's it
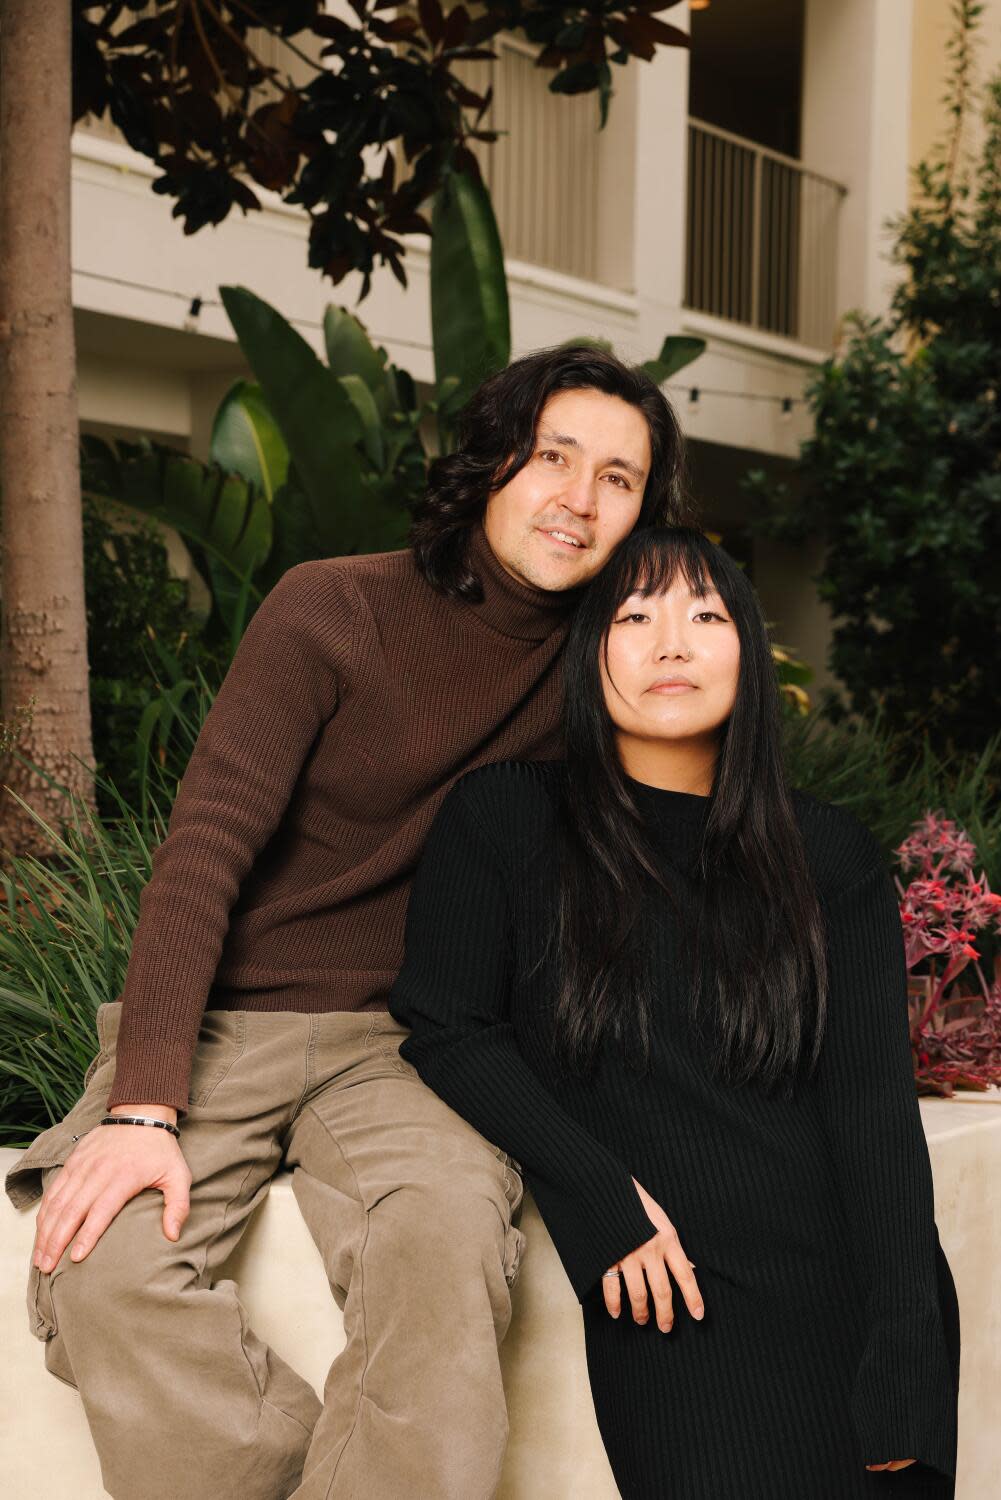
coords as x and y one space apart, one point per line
739 192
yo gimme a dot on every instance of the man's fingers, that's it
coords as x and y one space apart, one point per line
660 1289
681 1269
611 1286
102 1211
176 1205
632 1274
59 1232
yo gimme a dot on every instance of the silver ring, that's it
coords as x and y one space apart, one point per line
606 1274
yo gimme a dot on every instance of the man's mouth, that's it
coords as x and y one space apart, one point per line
568 538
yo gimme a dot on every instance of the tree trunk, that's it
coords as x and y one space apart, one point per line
43 651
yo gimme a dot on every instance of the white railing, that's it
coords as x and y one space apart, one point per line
762 237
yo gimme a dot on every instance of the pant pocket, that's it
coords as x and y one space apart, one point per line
514 1249
41 1314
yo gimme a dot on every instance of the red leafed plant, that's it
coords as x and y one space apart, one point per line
955 1011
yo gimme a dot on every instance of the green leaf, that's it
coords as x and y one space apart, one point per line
363 402
247 440
675 353
470 318
350 351
317 417
221 513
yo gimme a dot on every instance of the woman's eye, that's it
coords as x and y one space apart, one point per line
709 614
625 619
550 453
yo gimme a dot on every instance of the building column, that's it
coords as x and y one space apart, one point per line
660 187
856 129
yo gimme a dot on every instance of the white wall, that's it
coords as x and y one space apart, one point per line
856 128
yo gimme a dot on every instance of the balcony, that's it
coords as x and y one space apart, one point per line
761 237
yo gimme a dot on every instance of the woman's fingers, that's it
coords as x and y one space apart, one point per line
660 1289
632 1274
682 1271
611 1286
893 1465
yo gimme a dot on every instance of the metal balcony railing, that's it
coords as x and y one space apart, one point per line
762 237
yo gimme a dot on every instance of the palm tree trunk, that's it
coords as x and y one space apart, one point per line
43 651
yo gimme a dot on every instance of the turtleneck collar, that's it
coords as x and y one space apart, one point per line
677 817
683 804
511 608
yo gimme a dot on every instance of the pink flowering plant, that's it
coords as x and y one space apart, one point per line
955 1008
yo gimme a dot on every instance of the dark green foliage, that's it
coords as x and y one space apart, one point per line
187 87
903 474
134 607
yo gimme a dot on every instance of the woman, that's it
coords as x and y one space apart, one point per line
675 993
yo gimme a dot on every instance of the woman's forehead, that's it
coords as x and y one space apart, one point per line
694 588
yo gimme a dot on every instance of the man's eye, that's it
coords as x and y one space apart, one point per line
550 453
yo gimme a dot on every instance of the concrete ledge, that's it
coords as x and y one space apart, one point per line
554 1452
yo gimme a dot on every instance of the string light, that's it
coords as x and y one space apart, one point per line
197 303
695 392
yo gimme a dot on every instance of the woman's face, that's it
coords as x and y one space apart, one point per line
673 662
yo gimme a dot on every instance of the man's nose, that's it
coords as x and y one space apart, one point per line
579 496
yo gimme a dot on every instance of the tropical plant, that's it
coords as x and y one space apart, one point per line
65 935
944 908
887 781
314 458
902 477
142 638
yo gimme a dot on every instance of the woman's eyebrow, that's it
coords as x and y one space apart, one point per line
567 441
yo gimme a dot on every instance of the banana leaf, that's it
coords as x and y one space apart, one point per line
470 318
226 517
247 440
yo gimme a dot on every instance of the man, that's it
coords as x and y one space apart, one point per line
253 1017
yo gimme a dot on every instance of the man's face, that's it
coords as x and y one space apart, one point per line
555 524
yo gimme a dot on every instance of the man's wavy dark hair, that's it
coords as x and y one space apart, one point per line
496 438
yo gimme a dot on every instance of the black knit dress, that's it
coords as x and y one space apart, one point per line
831 1333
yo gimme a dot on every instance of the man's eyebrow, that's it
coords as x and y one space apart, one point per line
571 442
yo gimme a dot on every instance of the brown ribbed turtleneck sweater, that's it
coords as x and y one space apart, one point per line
356 698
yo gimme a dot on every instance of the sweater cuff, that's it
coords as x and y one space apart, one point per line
904 1395
591 1237
148 1078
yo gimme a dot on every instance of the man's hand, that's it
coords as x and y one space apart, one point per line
110 1165
892 1466
648 1266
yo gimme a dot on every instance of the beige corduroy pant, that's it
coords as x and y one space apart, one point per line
412 1213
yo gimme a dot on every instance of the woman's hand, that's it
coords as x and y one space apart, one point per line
647 1266
108 1167
892 1466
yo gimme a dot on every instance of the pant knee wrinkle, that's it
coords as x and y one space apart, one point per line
359 1271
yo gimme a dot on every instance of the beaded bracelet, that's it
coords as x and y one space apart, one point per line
141 1120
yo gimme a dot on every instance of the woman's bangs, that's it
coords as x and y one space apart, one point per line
652 564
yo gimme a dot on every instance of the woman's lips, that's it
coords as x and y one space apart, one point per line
671 688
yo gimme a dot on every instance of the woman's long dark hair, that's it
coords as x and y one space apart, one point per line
757 951
496 438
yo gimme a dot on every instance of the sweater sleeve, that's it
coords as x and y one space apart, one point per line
453 992
904 1396
280 689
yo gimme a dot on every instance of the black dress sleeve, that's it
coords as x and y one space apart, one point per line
454 993
904 1396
